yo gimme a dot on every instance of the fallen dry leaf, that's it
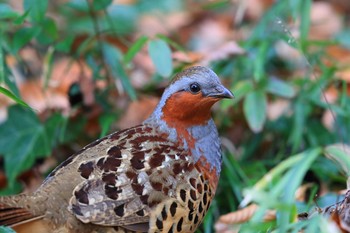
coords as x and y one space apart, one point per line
161 23
254 9
224 51
188 57
289 53
229 223
124 2
3 180
143 69
339 57
301 193
341 6
226 221
329 96
138 111
277 108
325 21
210 34
65 72
245 214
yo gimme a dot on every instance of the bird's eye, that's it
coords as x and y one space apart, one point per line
195 88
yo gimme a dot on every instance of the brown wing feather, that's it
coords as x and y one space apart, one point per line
118 190
13 212
142 180
138 227
11 215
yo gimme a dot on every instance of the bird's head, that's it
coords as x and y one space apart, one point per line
184 113
190 96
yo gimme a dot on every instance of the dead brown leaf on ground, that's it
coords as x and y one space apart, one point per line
226 223
138 111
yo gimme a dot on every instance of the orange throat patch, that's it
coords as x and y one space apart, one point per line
183 110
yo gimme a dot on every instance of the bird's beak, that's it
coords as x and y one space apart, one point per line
221 92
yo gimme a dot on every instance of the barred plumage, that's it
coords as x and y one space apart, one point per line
156 177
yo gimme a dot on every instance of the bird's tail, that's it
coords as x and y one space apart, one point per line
15 210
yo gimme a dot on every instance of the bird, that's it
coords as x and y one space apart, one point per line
159 176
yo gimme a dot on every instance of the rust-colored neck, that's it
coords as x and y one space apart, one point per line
184 110
187 109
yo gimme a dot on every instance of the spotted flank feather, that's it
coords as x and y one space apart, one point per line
136 177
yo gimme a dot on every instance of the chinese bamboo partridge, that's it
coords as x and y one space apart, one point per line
159 176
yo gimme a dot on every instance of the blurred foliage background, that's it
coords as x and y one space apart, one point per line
73 71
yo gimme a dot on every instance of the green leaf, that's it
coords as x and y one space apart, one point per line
121 19
160 6
171 42
15 188
21 18
217 5
301 110
72 129
55 128
161 57
341 154
133 50
287 186
262 31
49 32
101 4
37 9
6 79
65 44
10 84
112 57
47 66
254 107
78 5
6 12
208 221
23 139
105 121
6 230
343 38
13 97
259 61
22 37
305 8
241 89
280 88
2 64
294 166
269 177
120 72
